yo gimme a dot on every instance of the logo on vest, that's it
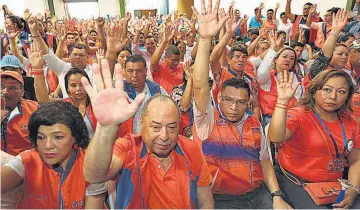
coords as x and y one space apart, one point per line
35 197
357 103
23 126
256 130
221 122
77 204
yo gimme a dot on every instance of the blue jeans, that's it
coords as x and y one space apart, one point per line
259 198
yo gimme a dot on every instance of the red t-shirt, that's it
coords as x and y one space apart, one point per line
307 152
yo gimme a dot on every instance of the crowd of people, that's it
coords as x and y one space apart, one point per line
214 111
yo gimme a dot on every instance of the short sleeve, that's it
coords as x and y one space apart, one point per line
96 189
293 120
205 176
357 136
122 146
264 152
204 122
17 165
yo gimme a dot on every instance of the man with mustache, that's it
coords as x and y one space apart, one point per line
15 114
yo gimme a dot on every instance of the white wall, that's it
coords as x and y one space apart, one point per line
111 7
248 6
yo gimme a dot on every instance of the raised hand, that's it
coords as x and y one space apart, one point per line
113 40
12 33
127 16
209 25
285 90
109 102
100 54
168 35
27 14
340 19
36 57
33 24
139 26
100 21
188 69
4 112
312 10
277 6
231 25
262 6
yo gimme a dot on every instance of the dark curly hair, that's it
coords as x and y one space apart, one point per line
20 23
51 113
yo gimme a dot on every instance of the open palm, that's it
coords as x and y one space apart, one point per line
36 57
284 84
231 24
109 102
340 19
209 25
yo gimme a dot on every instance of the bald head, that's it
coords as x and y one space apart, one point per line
165 102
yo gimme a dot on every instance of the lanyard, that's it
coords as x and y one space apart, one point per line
332 137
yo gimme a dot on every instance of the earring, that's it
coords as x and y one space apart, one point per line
75 146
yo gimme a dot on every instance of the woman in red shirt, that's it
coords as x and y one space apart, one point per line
318 138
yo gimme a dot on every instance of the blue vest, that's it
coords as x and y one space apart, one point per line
154 88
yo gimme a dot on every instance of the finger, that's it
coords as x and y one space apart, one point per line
106 73
97 77
119 79
88 88
223 20
281 75
134 106
209 9
203 9
286 76
291 78
217 6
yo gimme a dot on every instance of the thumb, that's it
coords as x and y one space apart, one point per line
134 106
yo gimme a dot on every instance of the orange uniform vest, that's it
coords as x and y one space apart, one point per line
268 99
227 73
46 187
232 154
52 80
135 179
295 28
16 137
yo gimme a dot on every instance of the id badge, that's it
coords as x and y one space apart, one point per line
336 165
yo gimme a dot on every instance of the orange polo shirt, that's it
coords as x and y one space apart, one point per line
161 189
168 78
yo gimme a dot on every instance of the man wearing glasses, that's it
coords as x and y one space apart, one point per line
232 140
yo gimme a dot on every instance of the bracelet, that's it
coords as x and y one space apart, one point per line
35 36
282 104
37 73
281 107
38 69
357 189
333 33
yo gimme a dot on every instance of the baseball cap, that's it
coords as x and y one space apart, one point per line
10 61
14 75
355 44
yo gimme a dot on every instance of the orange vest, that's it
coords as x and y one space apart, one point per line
295 28
268 100
134 184
16 138
46 187
232 154
227 73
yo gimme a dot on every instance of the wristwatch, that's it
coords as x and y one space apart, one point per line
277 193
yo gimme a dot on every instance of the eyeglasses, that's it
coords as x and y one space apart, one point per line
229 101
